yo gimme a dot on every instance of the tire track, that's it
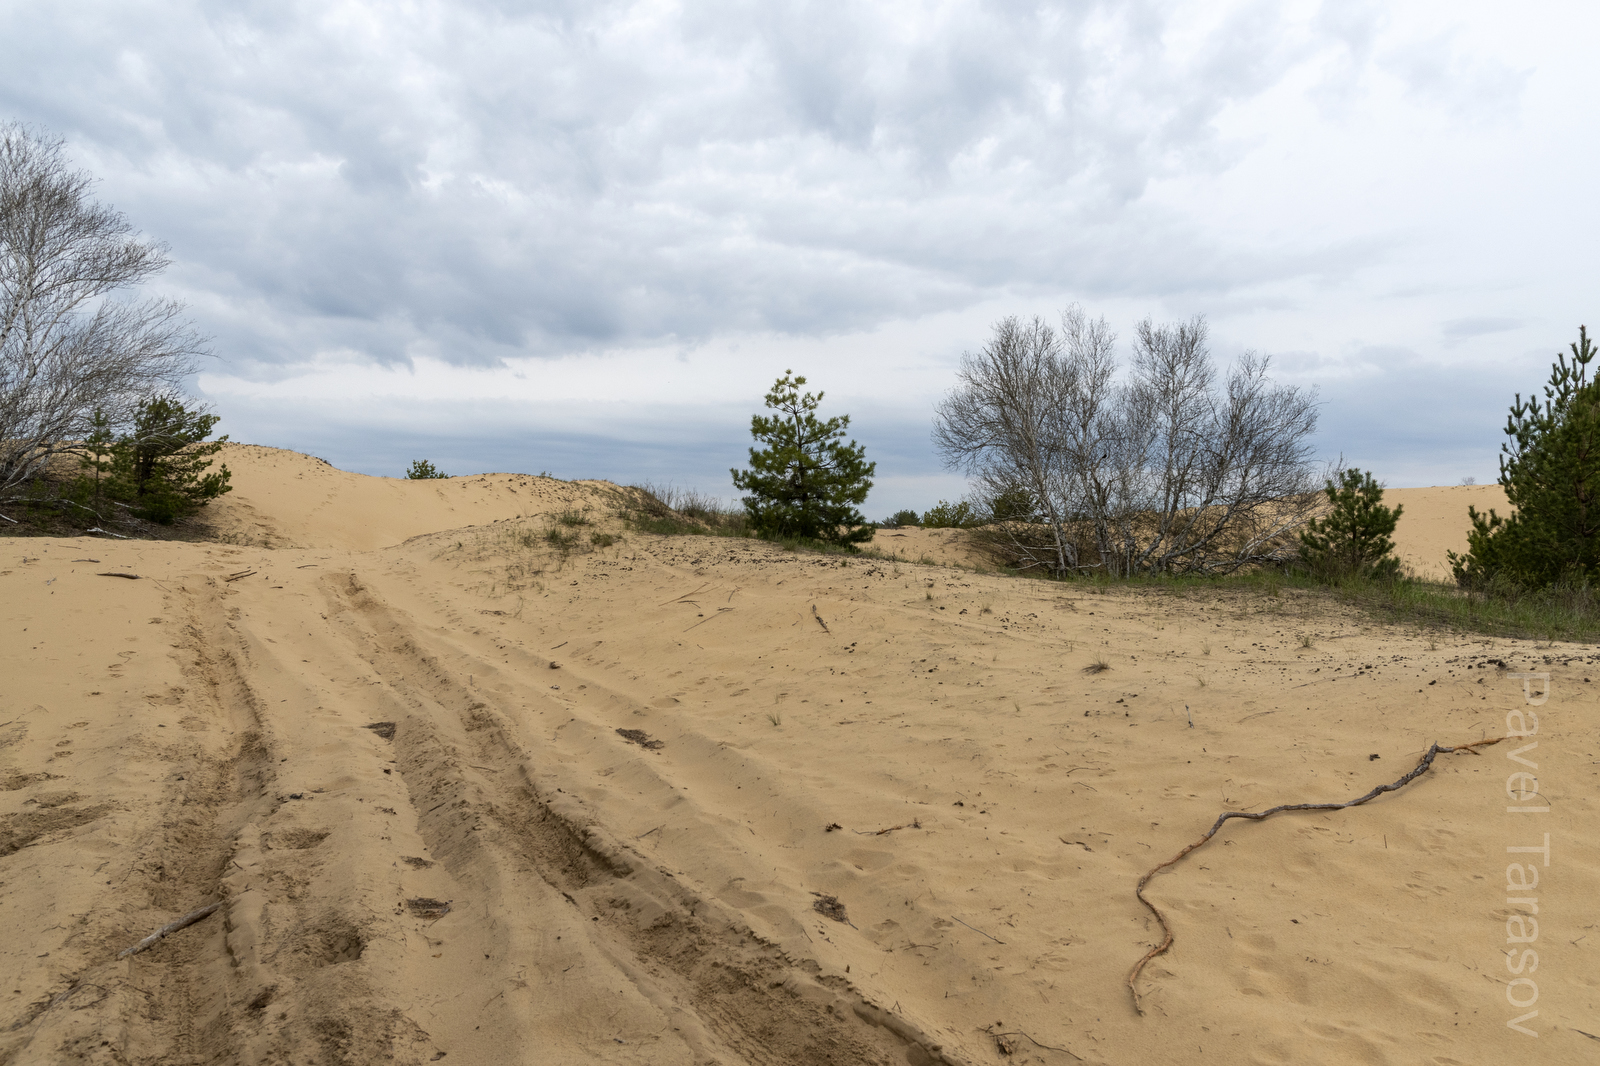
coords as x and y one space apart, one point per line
733 995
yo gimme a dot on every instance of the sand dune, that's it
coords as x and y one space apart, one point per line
1435 522
469 798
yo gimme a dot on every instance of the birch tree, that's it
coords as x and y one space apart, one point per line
70 349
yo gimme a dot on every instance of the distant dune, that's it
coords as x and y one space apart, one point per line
480 776
1434 522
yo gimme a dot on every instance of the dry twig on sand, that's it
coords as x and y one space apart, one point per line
1006 1044
915 823
171 927
1166 942
980 932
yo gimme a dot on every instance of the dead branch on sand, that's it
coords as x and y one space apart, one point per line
171 927
1006 1043
1416 772
915 823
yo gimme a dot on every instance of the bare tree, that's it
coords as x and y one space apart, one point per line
1158 473
67 348
1030 423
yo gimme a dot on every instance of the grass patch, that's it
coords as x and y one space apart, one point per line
672 512
1565 613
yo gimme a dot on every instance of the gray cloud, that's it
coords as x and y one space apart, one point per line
1459 329
1368 189
477 181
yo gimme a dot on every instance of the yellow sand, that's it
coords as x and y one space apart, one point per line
509 880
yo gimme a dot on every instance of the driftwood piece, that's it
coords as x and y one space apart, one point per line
130 577
166 930
1167 938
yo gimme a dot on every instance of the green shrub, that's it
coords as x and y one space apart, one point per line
1014 505
1354 537
903 518
422 470
1550 469
945 515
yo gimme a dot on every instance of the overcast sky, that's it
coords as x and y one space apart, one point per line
584 238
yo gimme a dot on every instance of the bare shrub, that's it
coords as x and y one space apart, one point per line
1153 469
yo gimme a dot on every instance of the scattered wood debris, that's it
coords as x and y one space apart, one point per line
641 738
829 907
431 909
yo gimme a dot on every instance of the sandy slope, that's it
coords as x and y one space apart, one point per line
502 877
1435 521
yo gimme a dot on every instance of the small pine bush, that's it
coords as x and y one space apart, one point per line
1353 539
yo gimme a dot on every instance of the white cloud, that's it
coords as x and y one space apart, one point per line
409 203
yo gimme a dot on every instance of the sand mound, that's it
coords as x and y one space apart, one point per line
488 797
283 499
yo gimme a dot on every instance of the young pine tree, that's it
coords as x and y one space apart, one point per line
1354 537
422 470
162 465
1550 469
807 482
97 458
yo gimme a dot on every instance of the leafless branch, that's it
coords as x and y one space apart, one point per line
67 348
1164 472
